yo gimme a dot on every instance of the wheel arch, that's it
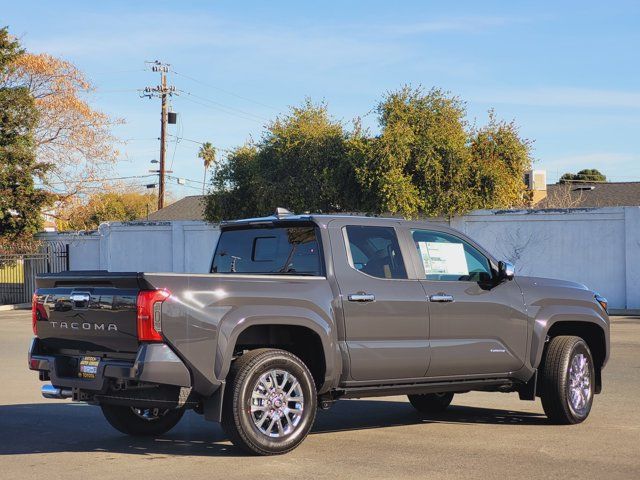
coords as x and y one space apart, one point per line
300 340
306 338
554 320
593 335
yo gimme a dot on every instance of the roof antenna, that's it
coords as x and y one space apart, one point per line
282 212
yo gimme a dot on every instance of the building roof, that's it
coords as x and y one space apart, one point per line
591 195
187 208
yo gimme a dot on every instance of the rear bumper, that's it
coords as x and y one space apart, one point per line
155 363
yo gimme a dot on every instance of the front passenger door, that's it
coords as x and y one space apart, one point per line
477 325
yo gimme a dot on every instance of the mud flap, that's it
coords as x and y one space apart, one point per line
527 391
213 405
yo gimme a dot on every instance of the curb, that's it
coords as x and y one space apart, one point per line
630 312
17 306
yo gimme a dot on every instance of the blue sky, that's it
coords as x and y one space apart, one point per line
568 73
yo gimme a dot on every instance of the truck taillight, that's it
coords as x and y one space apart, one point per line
34 314
149 314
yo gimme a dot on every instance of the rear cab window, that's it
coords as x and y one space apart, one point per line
288 249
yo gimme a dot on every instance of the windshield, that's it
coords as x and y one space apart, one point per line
277 250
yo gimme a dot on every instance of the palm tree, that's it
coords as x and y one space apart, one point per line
207 153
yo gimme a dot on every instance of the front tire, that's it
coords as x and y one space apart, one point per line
568 377
270 402
431 402
141 422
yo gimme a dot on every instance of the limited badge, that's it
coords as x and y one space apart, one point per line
88 367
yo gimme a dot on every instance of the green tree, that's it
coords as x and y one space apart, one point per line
420 163
207 154
586 175
425 161
301 163
21 203
236 185
500 159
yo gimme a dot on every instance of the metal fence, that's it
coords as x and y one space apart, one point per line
18 271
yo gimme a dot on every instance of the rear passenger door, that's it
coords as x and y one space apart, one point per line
385 312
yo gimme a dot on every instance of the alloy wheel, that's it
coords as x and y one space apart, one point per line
277 403
579 385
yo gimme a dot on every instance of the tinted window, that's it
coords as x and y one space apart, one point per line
265 249
449 258
279 250
375 251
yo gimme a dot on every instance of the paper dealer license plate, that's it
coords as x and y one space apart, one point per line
88 367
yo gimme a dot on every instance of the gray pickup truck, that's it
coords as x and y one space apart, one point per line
302 310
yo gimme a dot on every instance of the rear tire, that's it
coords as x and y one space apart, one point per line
568 378
141 422
431 402
270 402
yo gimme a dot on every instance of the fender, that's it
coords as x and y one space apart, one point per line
238 320
549 315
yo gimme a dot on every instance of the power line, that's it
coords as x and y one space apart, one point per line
100 189
140 139
227 150
187 139
190 186
100 180
222 105
186 179
224 91
225 110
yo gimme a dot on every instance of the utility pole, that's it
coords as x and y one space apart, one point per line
163 146
163 91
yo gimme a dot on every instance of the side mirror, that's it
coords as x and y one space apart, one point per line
506 270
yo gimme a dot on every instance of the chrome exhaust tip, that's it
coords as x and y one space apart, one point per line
49 391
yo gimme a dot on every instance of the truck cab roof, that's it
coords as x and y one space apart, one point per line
322 220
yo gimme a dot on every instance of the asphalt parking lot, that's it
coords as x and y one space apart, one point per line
483 435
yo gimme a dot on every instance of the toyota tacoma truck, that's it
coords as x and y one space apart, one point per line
299 311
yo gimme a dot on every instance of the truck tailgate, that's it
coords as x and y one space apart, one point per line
91 312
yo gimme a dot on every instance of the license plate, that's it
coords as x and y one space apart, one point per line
88 367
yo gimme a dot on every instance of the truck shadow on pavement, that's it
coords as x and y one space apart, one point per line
68 427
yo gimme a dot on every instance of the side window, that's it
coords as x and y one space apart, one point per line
375 251
449 258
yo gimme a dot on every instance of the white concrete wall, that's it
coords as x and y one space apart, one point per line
180 246
597 247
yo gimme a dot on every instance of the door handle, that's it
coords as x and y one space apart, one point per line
361 297
441 297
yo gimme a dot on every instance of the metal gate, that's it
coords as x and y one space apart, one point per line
18 271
